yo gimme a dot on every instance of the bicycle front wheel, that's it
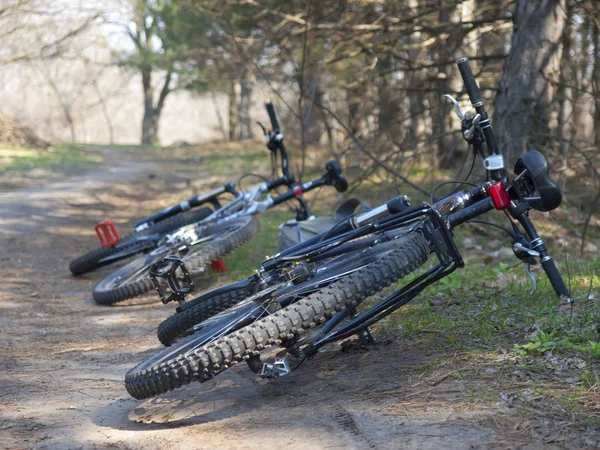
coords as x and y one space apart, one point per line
197 359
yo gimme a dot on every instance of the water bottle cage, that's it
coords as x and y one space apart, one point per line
167 269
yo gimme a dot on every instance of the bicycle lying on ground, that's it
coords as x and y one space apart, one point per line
228 227
145 234
149 231
306 296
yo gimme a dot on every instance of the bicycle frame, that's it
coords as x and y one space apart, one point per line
243 203
435 226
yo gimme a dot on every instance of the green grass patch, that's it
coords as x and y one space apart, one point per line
58 158
123 147
489 307
244 260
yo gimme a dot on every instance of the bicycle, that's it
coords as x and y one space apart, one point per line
225 229
148 231
320 283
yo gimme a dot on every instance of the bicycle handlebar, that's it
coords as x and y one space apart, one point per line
333 177
198 200
273 117
277 182
470 83
477 100
276 141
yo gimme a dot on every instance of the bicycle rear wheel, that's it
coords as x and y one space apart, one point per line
133 279
102 256
196 311
199 358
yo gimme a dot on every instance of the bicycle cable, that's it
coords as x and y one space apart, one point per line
300 363
250 174
460 183
483 222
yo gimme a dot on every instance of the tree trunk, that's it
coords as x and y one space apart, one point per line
415 83
527 86
105 113
244 110
233 114
149 123
596 84
448 80
388 106
565 96
583 65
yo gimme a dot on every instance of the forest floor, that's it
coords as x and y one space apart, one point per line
474 363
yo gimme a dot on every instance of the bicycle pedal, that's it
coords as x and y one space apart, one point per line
167 269
279 368
107 233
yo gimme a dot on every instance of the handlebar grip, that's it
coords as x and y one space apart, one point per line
273 117
284 197
334 176
470 84
555 278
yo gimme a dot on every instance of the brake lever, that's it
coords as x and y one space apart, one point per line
264 130
531 277
459 113
527 255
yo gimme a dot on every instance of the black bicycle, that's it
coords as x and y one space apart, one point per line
225 229
317 285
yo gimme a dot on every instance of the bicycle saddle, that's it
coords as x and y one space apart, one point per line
550 195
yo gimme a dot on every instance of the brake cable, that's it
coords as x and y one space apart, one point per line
483 222
459 182
250 174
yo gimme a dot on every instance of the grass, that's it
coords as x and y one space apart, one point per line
243 261
60 158
485 307
121 146
482 321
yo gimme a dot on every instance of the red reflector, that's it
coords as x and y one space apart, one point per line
107 233
218 265
499 196
297 191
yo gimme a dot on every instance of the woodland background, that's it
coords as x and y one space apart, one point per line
363 78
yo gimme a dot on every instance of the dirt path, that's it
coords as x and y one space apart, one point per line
63 357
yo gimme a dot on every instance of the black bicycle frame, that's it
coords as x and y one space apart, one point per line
426 219
437 230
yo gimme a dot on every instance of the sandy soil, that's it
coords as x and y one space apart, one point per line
63 358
